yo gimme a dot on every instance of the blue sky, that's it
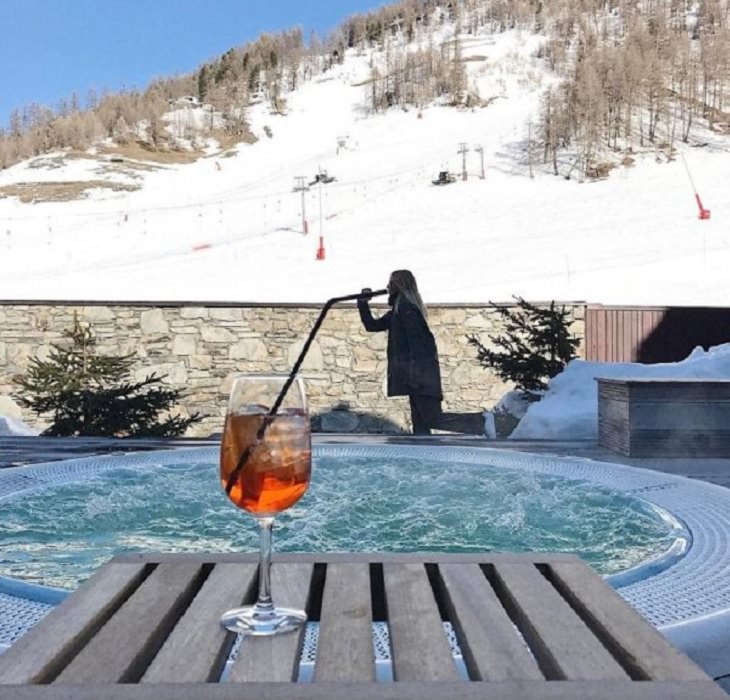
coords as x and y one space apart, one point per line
51 48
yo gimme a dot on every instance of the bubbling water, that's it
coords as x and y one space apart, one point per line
59 535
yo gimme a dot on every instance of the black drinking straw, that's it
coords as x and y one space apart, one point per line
290 379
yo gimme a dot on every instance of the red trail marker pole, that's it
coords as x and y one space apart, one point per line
320 250
704 213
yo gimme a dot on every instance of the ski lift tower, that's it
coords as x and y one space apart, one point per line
300 185
463 149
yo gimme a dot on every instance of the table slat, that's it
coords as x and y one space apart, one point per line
345 649
641 646
563 644
45 649
490 644
122 649
276 658
515 690
419 646
197 647
352 557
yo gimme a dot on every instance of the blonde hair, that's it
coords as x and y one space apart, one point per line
403 282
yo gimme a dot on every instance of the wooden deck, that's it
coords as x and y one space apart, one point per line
529 626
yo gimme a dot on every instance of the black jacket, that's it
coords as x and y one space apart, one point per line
413 364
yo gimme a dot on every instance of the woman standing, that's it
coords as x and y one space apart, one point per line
413 366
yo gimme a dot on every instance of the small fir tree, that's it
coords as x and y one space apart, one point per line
536 345
91 394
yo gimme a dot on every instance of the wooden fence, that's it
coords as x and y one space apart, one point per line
652 334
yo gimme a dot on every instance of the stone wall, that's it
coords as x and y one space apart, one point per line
200 348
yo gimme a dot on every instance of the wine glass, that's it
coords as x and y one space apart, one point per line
266 464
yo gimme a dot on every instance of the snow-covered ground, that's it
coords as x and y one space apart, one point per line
15 426
230 229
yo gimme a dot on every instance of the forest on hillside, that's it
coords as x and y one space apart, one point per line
632 74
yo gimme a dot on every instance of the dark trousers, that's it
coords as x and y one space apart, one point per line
425 413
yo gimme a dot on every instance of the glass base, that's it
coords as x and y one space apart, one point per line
253 622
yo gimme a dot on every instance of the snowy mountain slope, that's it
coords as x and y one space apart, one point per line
230 228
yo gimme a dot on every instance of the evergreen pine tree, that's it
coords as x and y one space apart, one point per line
203 79
536 345
91 394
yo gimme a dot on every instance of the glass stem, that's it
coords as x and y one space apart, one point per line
264 604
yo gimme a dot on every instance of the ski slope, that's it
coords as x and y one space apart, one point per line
230 228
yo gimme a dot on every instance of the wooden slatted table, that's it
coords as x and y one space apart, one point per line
529 626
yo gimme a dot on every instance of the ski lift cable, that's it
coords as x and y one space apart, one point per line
233 195
111 213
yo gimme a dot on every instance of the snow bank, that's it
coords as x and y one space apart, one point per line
15 426
569 409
